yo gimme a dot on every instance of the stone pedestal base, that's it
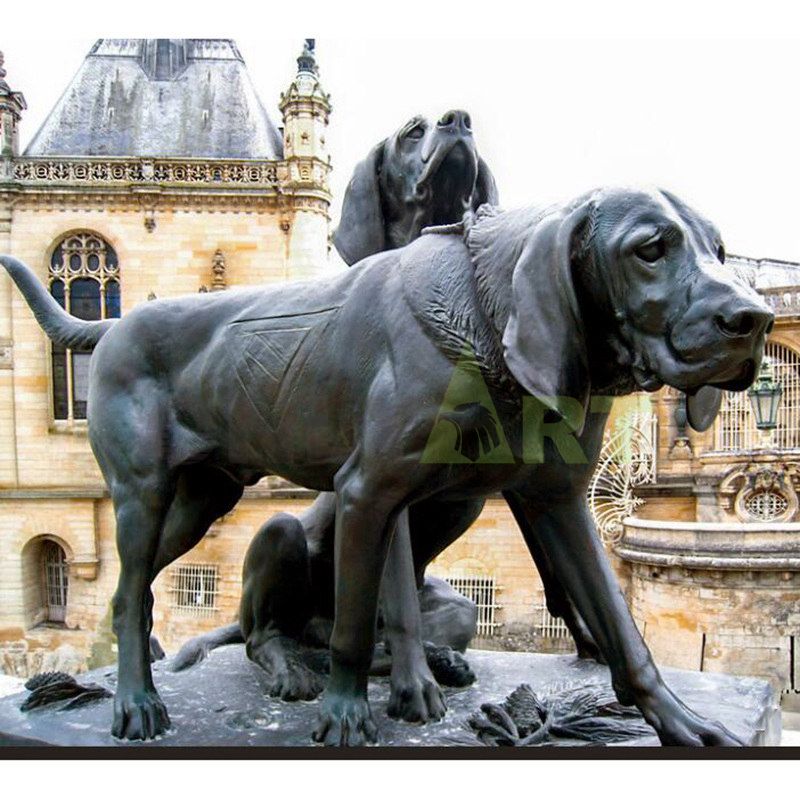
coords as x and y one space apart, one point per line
221 703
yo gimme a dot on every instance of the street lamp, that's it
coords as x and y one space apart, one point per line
765 397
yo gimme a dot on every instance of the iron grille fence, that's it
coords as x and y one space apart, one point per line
482 590
549 626
56 581
195 588
736 426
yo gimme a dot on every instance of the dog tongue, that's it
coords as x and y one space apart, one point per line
702 407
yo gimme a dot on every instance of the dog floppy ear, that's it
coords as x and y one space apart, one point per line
361 229
485 187
544 342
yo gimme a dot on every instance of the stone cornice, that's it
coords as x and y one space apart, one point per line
55 493
238 202
712 545
296 183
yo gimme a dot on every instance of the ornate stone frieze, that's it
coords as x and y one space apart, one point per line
169 172
784 301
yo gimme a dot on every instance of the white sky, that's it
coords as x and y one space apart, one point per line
716 121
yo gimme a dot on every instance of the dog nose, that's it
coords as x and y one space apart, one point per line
744 321
455 120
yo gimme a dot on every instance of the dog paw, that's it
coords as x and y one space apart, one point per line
139 715
345 722
416 697
287 677
448 666
295 682
677 725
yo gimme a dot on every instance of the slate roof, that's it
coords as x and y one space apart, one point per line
160 97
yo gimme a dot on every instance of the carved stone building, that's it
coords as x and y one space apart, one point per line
159 172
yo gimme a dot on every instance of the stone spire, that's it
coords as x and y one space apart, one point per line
12 104
305 220
306 61
306 108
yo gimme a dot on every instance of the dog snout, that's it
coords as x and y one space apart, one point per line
723 318
455 120
742 321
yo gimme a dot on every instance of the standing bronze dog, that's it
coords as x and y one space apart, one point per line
192 399
425 173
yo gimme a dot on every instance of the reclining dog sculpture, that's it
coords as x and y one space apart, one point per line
191 399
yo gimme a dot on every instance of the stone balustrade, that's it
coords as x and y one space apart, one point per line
743 546
784 301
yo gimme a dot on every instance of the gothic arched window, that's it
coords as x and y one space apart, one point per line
84 280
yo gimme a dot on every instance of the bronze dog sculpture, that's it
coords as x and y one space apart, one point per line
423 174
191 399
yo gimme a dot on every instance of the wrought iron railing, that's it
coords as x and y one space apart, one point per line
627 460
736 426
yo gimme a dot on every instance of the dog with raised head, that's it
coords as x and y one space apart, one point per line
617 290
426 173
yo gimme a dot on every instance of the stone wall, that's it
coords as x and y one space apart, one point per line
717 597
50 484
492 547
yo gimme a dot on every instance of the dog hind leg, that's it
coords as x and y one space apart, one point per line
276 605
202 495
139 712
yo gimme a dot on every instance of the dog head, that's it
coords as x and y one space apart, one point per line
627 289
424 174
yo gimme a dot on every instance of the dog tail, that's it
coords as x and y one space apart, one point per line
197 649
59 326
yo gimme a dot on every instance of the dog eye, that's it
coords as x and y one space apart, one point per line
721 254
651 251
415 133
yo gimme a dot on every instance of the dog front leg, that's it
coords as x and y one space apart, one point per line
566 533
415 695
556 600
365 518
